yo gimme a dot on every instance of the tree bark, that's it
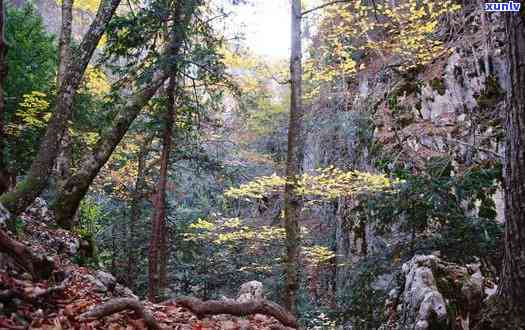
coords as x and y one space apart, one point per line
4 184
215 307
7 178
512 288
36 181
293 202
157 248
77 185
64 158
171 118
136 201
64 43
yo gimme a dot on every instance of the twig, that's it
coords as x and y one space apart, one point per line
476 147
304 13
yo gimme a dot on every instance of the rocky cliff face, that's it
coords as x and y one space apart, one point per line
52 15
451 108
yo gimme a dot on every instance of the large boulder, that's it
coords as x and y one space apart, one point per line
107 279
252 290
40 210
436 295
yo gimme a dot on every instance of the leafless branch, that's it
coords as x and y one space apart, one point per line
331 3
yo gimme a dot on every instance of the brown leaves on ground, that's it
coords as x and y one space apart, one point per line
61 310
57 303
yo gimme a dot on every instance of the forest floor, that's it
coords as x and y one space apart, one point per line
62 301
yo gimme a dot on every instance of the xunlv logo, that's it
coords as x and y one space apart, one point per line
503 6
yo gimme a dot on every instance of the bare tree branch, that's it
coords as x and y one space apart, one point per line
306 12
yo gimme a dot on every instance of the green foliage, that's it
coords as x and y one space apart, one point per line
360 301
34 110
32 59
91 218
316 317
17 226
438 84
435 201
492 94
32 64
227 251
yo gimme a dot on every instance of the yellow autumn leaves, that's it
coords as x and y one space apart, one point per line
405 31
231 230
324 184
233 233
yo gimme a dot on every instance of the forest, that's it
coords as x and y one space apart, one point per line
262 164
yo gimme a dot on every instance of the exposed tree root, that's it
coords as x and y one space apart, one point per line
118 305
38 266
214 307
36 296
52 290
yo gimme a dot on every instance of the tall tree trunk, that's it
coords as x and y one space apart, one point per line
64 43
292 202
64 158
3 74
512 288
157 248
136 209
36 181
77 185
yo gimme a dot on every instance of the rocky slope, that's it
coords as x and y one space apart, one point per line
76 297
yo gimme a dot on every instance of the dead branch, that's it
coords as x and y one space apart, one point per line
39 266
36 296
485 150
52 290
118 305
331 3
214 307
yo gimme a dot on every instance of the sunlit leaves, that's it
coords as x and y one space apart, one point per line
318 254
86 5
404 32
331 182
323 184
233 235
231 231
33 110
258 188
97 82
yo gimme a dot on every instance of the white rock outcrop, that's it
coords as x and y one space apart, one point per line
252 290
435 294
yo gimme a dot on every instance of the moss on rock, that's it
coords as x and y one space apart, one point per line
491 95
438 84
